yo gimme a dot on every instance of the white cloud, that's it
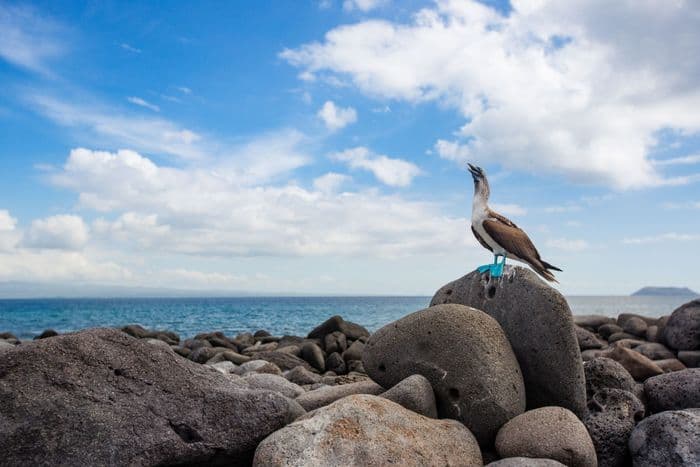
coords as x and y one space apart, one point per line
140 102
562 208
509 209
61 232
567 244
330 182
336 117
7 222
685 160
392 172
9 236
184 89
130 48
363 5
665 237
550 87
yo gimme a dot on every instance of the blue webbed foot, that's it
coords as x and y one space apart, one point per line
495 269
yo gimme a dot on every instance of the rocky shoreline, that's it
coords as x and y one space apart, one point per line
495 371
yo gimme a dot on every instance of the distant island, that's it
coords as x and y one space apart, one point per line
665 291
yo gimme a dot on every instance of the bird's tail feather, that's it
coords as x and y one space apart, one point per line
541 269
549 266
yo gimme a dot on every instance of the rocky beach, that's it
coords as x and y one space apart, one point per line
495 372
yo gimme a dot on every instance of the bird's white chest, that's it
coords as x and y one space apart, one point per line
479 215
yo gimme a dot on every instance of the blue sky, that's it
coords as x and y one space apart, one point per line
320 147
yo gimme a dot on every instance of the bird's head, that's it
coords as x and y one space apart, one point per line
478 173
481 185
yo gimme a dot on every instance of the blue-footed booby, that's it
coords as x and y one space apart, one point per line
500 235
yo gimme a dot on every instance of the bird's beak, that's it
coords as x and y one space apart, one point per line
476 173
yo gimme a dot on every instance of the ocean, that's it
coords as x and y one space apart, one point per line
27 318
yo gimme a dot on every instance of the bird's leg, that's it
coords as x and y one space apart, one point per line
497 269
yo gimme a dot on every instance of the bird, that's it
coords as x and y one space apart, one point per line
500 235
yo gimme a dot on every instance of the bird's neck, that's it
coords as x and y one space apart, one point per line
481 197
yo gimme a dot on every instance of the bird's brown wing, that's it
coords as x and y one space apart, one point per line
481 240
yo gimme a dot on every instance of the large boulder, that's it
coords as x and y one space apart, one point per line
548 432
464 354
669 439
604 372
682 331
368 430
673 391
102 397
538 323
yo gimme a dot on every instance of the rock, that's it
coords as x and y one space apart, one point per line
464 354
414 393
588 355
336 323
524 462
652 334
158 342
302 376
690 358
611 418
620 336
182 351
257 366
335 342
101 397
607 330
321 397
637 364
538 323
355 366
136 330
194 344
682 331
231 356
354 352
291 350
8 336
587 340
622 318
368 430
654 351
549 432
273 383
259 347
592 322
313 354
224 367
46 334
670 364
673 391
202 354
283 360
261 333
4 345
629 343
606 373
140 332
286 341
661 324
336 364
635 326
667 439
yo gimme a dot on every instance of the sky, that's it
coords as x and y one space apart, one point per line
320 147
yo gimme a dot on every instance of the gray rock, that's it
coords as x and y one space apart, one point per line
258 347
354 352
152 341
4 345
194 344
356 366
637 364
371 431
336 364
592 322
291 350
224 367
464 354
549 432
231 356
606 373
202 354
283 360
290 340
629 343
607 330
539 327
652 334
669 439
525 462
682 331
654 351
313 354
670 364
273 383
620 336
587 340
690 358
101 397
352 331
8 336
335 342
673 391
591 354
611 418
635 326
257 365
244 340
414 393
261 333
302 376
622 318
327 395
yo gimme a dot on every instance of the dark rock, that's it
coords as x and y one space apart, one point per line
354 352
673 391
669 439
258 347
661 324
690 358
635 326
619 336
202 354
230 356
588 355
136 330
302 376
592 322
8 336
472 370
652 334
587 340
182 351
261 333
335 342
243 340
356 366
637 364
629 343
222 341
194 344
414 393
286 341
548 432
283 360
313 355
101 397
654 351
525 462
336 323
606 373
682 331
291 350
607 330
336 364
539 327
258 366
611 418
622 318
4 345
670 364
368 430
225 367
321 397
46 334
